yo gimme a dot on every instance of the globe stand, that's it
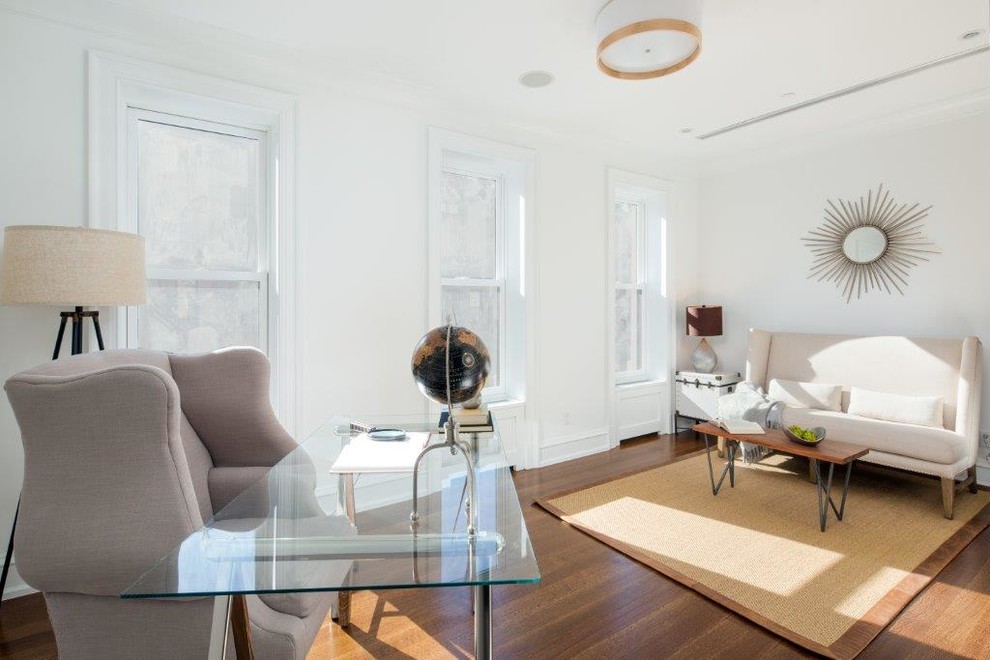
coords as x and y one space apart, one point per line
452 442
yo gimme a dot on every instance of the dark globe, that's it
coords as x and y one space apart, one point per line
469 364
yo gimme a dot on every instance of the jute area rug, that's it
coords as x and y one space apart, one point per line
757 548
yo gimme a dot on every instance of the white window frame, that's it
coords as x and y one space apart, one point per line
643 406
119 84
640 286
500 391
514 170
128 321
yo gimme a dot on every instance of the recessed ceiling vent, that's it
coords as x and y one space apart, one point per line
845 92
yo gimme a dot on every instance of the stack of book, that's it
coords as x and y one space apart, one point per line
471 420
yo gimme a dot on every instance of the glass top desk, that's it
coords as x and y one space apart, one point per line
331 516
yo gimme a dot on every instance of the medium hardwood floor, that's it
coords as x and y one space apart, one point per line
596 602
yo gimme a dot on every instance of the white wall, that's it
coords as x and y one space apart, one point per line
754 217
362 185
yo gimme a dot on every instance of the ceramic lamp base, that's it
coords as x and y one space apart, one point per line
703 358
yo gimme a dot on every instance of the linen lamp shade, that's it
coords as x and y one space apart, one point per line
71 266
704 321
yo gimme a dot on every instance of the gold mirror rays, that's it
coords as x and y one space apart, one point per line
906 247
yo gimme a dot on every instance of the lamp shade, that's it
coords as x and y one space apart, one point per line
704 321
640 39
71 266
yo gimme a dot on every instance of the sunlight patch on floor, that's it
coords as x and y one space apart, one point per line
749 556
392 632
864 596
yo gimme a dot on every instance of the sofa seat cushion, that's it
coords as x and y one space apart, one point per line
921 442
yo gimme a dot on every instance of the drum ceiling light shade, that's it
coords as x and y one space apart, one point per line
71 266
640 39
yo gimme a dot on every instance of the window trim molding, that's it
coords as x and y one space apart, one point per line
615 179
440 140
115 83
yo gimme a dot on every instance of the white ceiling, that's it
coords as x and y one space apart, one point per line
754 51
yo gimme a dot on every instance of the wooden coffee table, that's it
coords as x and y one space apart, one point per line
827 451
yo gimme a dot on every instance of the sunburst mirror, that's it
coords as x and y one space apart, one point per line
869 244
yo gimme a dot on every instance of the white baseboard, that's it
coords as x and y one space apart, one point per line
642 428
983 475
566 448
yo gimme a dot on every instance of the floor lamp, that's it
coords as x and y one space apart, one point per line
69 267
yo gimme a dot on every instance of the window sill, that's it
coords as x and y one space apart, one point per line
504 403
642 384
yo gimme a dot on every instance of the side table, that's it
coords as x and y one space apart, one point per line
696 394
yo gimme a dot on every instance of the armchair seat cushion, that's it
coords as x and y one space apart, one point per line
312 570
301 604
921 442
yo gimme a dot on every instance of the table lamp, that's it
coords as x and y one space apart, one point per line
69 267
72 267
704 321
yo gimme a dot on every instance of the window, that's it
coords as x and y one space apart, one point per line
478 208
640 313
630 289
472 271
199 198
204 169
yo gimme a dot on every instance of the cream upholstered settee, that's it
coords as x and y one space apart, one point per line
948 368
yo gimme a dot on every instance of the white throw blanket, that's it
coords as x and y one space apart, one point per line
750 403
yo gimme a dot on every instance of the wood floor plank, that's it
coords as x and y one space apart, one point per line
596 602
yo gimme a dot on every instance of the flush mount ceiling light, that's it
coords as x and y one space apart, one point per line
640 39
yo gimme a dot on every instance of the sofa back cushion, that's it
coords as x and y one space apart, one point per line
820 396
915 366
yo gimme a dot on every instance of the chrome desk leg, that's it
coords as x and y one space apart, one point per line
220 628
482 622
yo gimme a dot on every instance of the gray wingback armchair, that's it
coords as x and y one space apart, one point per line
125 454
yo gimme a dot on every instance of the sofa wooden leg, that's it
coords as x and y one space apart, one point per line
972 483
721 447
948 495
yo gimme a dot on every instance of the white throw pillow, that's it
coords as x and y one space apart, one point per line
806 395
920 410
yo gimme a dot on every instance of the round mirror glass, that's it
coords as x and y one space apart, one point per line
864 245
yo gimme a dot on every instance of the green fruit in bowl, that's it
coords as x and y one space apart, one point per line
807 435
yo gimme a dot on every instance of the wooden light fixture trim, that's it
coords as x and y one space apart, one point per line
652 25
